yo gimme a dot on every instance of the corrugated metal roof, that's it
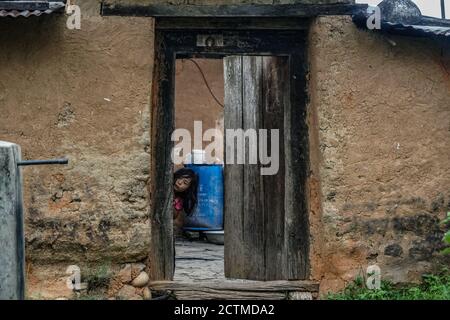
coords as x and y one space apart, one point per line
22 10
426 26
416 29
24 13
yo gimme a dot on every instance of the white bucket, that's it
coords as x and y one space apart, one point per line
196 157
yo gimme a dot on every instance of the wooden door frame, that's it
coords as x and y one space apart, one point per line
286 38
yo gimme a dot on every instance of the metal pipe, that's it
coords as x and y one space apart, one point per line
443 9
42 162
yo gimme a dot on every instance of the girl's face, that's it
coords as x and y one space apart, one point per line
182 184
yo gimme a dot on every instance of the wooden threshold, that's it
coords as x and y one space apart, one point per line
239 289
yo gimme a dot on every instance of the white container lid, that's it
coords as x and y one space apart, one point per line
197 156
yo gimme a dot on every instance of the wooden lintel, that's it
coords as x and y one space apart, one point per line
232 11
252 23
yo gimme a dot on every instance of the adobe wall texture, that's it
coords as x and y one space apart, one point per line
193 101
83 94
380 121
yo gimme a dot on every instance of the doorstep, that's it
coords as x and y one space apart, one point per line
239 289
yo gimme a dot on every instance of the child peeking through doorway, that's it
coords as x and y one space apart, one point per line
185 183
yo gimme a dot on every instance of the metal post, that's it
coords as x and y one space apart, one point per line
42 162
12 257
443 9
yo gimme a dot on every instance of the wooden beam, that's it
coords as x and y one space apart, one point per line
238 285
212 294
232 11
235 262
275 100
232 23
239 290
161 260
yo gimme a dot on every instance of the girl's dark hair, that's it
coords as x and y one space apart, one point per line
189 196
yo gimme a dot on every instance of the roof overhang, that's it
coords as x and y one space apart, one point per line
26 9
425 27
415 30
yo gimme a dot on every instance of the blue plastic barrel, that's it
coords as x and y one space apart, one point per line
208 214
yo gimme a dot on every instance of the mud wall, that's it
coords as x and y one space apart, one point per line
83 94
380 131
193 101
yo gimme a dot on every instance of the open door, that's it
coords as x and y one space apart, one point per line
265 229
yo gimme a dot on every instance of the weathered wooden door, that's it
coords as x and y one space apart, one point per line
263 232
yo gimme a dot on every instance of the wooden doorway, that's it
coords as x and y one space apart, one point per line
292 228
263 224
